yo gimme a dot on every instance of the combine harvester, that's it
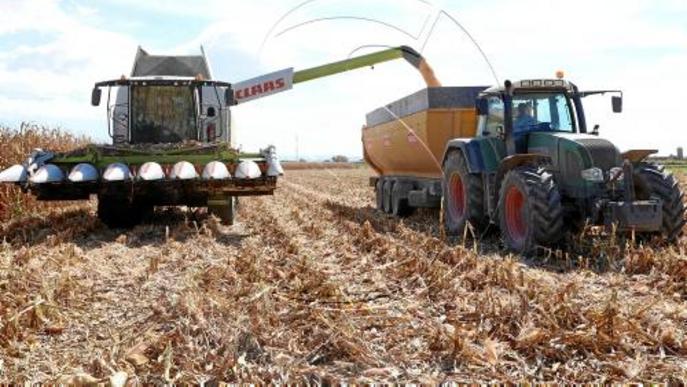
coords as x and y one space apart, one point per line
171 145
170 126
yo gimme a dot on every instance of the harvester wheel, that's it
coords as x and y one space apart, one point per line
530 209
225 211
379 194
399 204
463 196
653 180
120 213
387 189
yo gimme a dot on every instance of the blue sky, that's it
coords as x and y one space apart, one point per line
52 51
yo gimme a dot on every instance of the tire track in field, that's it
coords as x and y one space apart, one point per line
316 285
504 275
374 253
408 268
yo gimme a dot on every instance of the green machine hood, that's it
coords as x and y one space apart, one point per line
572 152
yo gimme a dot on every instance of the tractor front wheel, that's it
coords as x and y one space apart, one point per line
653 180
530 210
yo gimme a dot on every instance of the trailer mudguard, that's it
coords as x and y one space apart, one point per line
637 155
482 154
514 161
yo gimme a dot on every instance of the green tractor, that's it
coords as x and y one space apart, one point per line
537 172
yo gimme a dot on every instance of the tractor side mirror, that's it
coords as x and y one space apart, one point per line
211 111
482 106
95 96
617 103
229 96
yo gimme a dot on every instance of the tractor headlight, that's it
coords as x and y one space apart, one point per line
593 174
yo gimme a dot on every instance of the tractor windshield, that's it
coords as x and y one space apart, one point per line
163 114
533 112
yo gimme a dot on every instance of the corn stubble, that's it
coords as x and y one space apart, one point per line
314 285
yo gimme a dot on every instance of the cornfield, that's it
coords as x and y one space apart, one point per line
15 146
313 285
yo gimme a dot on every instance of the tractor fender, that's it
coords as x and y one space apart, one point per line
637 155
514 161
470 151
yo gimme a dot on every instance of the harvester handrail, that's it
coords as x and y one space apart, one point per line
161 82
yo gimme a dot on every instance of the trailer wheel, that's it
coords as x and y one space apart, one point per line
224 209
463 196
387 189
530 209
120 213
379 194
653 180
399 200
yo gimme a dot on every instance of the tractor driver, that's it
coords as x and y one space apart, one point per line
525 120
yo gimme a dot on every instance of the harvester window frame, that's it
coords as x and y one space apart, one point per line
219 116
111 113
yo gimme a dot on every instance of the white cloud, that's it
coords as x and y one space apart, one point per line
51 81
599 44
637 46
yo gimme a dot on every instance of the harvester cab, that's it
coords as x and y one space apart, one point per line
158 110
167 99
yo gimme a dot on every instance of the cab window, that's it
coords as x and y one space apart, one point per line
542 112
494 115
163 114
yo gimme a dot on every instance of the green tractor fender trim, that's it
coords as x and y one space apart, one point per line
483 154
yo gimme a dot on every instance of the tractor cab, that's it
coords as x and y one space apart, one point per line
538 105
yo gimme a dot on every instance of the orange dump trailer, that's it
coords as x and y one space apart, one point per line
404 143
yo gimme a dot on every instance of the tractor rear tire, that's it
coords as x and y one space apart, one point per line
120 213
386 193
463 196
530 210
226 211
399 204
653 180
